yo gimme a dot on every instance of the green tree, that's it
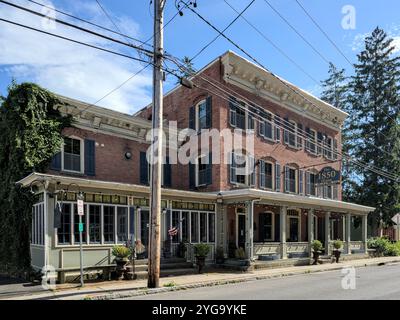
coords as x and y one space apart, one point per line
374 131
30 134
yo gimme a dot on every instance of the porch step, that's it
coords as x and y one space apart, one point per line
172 260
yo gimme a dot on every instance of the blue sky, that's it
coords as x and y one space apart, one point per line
88 74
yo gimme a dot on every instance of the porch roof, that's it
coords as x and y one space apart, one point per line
269 197
293 200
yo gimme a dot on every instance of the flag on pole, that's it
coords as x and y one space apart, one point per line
173 231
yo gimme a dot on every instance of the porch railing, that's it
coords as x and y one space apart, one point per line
297 247
266 248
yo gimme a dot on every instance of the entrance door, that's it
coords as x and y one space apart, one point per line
241 232
293 229
144 227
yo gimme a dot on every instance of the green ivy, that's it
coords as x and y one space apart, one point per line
30 134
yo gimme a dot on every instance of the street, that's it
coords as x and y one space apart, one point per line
373 283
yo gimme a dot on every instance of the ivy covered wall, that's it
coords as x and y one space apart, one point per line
30 134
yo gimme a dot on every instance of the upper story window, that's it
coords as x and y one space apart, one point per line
291 179
72 155
328 148
200 116
242 170
311 183
267 128
203 170
266 175
239 115
293 134
311 145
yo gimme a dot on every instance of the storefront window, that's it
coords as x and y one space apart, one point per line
64 232
94 224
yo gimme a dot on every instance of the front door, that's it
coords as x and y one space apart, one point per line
241 232
144 228
293 229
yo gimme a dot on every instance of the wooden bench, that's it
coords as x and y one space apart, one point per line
105 269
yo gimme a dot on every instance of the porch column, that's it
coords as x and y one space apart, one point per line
364 232
348 230
282 216
310 228
343 228
327 233
220 223
250 229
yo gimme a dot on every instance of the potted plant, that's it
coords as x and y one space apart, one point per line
219 255
337 245
201 251
121 254
317 247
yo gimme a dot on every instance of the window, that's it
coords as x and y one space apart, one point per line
185 226
265 226
328 148
211 227
203 172
122 224
109 224
311 183
201 115
94 224
203 227
239 116
194 227
64 232
76 225
292 134
72 155
290 179
311 143
266 128
175 224
242 169
37 235
266 175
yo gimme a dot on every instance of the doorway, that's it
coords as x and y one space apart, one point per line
241 231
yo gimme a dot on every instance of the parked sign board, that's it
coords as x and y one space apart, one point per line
328 175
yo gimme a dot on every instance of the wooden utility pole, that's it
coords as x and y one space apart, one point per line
156 149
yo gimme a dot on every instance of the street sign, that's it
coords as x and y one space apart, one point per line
80 207
396 219
80 226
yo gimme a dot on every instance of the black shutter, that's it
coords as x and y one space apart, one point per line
144 174
90 157
167 173
286 126
56 162
277 227
277 177
320 138
277 121
335 149
192 118
308 138
299 135
209 169
192 176
232 111
208 112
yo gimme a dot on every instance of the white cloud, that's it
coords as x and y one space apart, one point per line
71 69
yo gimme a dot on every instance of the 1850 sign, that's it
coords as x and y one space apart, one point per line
328 175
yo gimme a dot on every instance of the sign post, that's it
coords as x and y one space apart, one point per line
396 220
80 213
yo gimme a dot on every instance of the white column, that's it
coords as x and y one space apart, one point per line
249 229
364 232
348 230
283 231
310 228
327 233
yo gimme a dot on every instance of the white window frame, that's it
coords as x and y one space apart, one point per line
197 118
294 133
314 142
272 225
239 211
272 174
197 176
82 155
245 108
298 217
296 179
247 176
326 147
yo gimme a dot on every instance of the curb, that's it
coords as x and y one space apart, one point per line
145 291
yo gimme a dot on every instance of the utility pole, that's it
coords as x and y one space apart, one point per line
156 149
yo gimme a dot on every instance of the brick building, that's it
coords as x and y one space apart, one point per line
290 196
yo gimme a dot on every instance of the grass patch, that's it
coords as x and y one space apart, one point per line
169 284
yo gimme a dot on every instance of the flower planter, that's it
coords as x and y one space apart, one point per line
337 253
121 267
316 255
200 261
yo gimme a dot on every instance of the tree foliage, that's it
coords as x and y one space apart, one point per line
30 134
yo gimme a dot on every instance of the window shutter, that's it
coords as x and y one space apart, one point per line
285 131
253 172
261 128
335 149
308 185
232 111
308 138
90 158
208 112
277 121
209 169
301 182
232 171
299 135
192 118
56 162
277 177
144 176
250 122
320 138
262 174
167 173
287 182
192 176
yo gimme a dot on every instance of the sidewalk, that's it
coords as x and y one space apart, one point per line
121 289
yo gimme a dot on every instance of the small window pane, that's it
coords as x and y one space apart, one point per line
203 227
211 227
94 224
64 232
109 224
122 224
194 228
185 226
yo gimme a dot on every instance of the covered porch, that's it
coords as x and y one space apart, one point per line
272 226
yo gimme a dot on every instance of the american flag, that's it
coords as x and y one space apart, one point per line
173 231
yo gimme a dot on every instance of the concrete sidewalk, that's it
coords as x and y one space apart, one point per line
121 289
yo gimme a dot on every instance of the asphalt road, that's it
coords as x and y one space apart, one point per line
377 282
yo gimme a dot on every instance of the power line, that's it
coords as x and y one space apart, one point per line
88 22
324 33
275 45
297 32
231 23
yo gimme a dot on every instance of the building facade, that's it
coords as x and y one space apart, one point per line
290 196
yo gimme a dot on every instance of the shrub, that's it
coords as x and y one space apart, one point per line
240 253
380 245
337 244
393 249
317 245
201 249
121 252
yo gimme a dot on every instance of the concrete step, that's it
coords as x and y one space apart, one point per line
172 260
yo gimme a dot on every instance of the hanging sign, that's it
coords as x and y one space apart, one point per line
328 175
